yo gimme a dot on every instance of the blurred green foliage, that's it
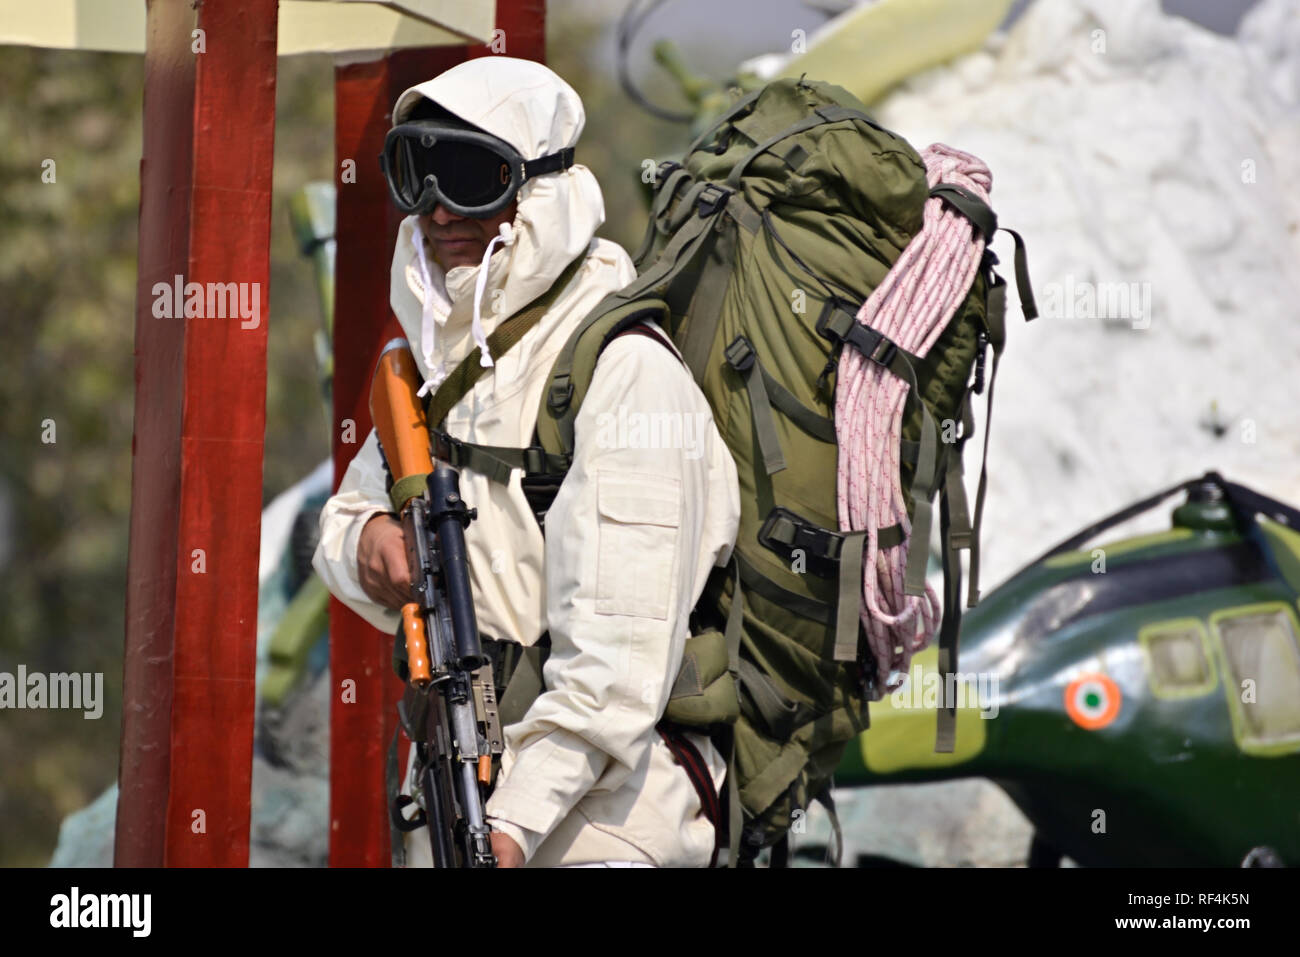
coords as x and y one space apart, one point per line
67 316
67 300
67 332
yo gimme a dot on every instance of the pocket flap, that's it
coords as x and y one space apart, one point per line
639 498
708 650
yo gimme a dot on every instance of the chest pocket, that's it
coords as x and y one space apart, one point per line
639 521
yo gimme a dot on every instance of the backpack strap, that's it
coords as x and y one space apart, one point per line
495 461
733 633
996 334
781 850
956 530
705 199
819 116
669 178
694 270
544 471
640 329
462 379
764 393
742 357
784 530
955 482
848 607
521 680
575 366
739 107
835 555
986 221
949 627
701 301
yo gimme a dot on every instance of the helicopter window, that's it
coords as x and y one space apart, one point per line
1261 653
1178 661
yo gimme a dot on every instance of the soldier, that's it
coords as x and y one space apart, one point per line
482 157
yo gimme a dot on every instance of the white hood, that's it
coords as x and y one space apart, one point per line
537 113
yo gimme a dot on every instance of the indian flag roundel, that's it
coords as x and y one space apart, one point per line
1092 701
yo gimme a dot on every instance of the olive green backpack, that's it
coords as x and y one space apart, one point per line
762 244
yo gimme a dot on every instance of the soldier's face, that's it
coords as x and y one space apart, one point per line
459 240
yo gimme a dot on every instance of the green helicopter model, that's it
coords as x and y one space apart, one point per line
1139 701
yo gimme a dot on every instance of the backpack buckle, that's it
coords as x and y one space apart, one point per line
884 352
837 319
560 394
872 343
784 532
664 170
712 198
534 460
740 354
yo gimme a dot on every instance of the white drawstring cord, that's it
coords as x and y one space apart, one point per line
505 236
427 320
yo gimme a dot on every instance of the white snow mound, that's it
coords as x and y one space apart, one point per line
1151 166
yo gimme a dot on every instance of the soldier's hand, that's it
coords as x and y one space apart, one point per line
381 562
508 853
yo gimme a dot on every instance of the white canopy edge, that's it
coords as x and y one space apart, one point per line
305 26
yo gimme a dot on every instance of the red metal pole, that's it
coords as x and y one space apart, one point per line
200 417
362 724
363 321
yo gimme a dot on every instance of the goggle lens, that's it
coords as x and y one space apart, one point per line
468 175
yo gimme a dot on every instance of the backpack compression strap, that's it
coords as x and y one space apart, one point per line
986 221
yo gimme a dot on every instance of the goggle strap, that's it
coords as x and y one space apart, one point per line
550 163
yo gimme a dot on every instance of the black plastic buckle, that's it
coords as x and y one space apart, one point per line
712 197
560 394
664 170
534 460
874 345
821 547
833 305
740 354
883 357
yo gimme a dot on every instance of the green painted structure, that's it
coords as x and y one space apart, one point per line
1197 762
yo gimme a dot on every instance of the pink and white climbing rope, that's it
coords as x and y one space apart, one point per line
912 306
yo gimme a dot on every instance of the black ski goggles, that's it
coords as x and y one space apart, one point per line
471 173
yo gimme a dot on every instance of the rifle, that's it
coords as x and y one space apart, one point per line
449 710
